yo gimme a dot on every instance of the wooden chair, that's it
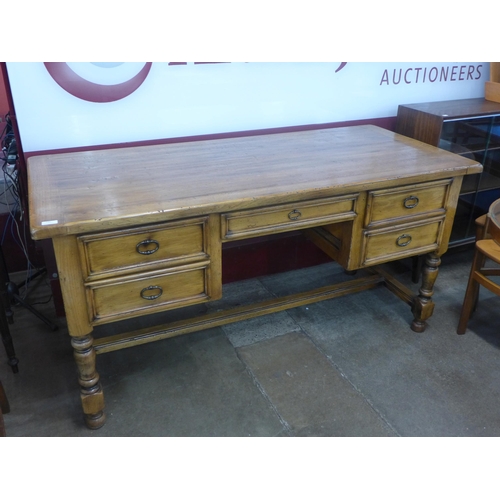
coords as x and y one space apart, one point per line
4 408
487 248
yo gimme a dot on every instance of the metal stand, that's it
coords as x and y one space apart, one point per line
9 294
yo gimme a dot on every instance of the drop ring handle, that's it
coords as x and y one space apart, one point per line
146 243
145 292
295 214
403 240
411 202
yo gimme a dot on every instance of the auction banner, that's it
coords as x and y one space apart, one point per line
61 105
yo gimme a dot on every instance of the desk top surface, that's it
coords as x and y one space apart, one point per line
72 193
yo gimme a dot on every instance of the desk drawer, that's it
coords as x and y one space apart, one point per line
155 246
287 217
387 205
118 299
401 241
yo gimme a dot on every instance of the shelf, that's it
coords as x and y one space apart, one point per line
480 182
472 135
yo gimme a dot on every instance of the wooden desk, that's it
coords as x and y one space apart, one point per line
140 230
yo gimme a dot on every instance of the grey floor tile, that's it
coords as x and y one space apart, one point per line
310 395
349 366
193 385
307 279
424 384
256 329
240 293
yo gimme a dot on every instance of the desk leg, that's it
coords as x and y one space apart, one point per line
423 306
91 391
67 254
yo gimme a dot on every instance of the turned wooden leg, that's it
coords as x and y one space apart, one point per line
67 252
423 306
91 391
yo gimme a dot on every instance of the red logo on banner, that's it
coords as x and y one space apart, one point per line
87 90
84 89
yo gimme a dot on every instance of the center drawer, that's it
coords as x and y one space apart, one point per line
162 245
281 218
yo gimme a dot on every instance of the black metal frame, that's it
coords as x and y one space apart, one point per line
9 295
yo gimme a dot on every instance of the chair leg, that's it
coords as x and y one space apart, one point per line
4 408
2 426
481 261
471 293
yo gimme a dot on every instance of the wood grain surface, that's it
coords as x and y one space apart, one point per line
71 193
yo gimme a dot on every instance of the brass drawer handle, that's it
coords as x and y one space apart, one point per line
410 202
145 243
406 237
146 296
294 214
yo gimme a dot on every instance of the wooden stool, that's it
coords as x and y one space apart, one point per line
4 408
487 247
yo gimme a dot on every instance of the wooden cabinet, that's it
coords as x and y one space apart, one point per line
398 222
407 221
147 269
470 128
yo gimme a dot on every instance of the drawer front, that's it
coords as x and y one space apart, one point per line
411 201
113 299
405 240
125 250
281 218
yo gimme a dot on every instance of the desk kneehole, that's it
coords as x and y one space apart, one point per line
404 240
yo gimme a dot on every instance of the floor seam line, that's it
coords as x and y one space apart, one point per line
284 423
345 377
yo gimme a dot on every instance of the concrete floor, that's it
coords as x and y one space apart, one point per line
344 367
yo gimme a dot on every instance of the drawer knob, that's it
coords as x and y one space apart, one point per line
151 292
146 243
295 214
403 240
410 202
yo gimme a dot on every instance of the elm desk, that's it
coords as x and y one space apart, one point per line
140 230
